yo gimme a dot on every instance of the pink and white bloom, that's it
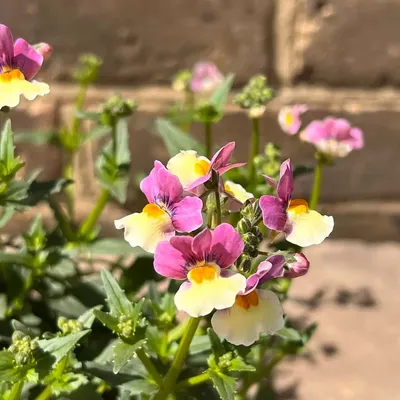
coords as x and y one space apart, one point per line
168 211
194 170
19 63
256 311
203 263
205 77
301 226
334 137
289 118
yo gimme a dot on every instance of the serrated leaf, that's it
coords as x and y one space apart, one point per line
289 334
176 140
140 386
116 298
224 384
220 95
106 319
200 344
58 347
123 353
88 317
216 346
238 364
154 339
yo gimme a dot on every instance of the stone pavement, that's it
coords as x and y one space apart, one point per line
352 290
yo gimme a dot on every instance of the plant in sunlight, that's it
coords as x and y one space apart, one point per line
189 301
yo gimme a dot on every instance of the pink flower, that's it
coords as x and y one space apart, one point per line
205 77
44 49
289 118
168 211
19 63
334 137
203 261
301 225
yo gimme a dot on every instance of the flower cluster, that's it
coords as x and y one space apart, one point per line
332 137
209 262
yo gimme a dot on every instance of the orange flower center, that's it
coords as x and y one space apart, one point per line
153 211
298 206
9 75
201 274
201 167
247 300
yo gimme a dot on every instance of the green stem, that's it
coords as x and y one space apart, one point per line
92 218
152 370
180 357
114 139
254 150
218 212
16 390
193 381
68 174
314 199
45 394
79 102
208 135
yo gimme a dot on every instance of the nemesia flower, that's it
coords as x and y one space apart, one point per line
289 118
205 77
44 49
19 63
168 211
203 261
298 268
237 191
255 311
301 226
334 137
193 170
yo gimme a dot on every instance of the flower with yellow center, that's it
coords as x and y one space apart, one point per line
237 191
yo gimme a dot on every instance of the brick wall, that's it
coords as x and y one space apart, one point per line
341 57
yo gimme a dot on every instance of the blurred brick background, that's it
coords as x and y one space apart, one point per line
341 57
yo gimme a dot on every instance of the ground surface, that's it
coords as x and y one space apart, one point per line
353 291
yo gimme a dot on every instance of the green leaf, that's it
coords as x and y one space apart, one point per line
220 95
15 192
224 384
6 214
154 339
289 334
140 386
19 326
216 345
16 258
39 190
116 247
88 317
116 298
123 353
58 347
309 332
91 116
7 371
36 137
176 140
7 145
106 319
97 133
238 364
123 154
200 344
105 372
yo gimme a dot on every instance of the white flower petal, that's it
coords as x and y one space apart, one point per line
237 191
11 91
241 326
188 166
198 299
309 228
145 229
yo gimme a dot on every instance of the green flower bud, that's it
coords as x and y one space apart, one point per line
181 81
68 326
115 108
225 361
89 69
126 326
206 113
22 358
244 225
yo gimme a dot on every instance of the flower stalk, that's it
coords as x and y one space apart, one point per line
254 150
208 138
316 190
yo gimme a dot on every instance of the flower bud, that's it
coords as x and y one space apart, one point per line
44 49
116 108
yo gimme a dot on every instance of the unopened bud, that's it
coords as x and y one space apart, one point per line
44 49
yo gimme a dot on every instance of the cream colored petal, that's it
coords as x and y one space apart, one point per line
188 166
145 231
200 299
309 228
237 191
241 326
11 91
